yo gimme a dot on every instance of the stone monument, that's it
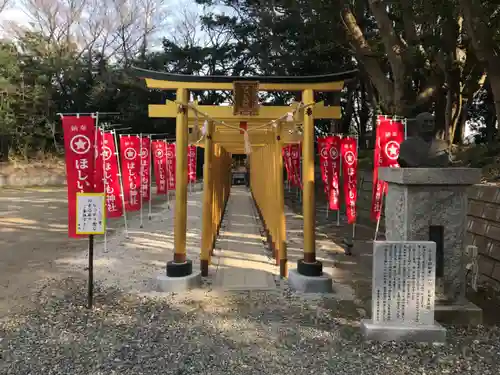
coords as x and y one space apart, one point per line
427 200
403 281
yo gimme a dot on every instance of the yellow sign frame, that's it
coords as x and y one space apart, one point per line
104 222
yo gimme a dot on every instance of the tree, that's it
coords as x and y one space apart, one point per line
483 28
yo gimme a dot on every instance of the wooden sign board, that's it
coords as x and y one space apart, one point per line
246 98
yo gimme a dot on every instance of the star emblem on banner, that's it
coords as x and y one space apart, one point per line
392 150
349 158
324 152
80 144
130 154
106 153
159 153
334 154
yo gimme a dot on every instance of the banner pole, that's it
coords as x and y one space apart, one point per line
150 178
122 193
168 174
338 182
141 174
105 184
90 289
380 214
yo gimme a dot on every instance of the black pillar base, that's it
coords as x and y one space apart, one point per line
204 267
348 245
179 269
309 269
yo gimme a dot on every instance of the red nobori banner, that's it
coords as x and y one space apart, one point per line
114 203
329 154
389 136
334 194
286 160
98 162
349 152
191 163
130 153
377 187
159 150
295 152
171 160
324 146
79 138
145 168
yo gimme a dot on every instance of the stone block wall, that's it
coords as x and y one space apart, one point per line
31 175
484 228
483 222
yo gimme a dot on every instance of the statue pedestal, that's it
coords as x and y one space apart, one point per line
425 204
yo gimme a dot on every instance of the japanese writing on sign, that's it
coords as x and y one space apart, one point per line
404 282
91 213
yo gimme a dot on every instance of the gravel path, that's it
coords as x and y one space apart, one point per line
203 332
208 331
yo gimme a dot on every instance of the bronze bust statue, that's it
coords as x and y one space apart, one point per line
423 150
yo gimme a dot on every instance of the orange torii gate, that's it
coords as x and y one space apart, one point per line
266 129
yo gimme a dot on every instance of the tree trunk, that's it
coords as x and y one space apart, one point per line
482 40
495 89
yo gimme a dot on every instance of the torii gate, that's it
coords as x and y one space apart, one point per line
267 129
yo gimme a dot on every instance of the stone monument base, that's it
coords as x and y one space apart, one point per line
164 283
309 284
402 332
465 313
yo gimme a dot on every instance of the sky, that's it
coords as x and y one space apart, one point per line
15 14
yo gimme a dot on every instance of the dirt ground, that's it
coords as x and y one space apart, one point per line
33 234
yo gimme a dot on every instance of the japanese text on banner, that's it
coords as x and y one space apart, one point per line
295 152
145 168
333 199
98 170
349 153
114 203
171 160
159 150
192 163
131 164
287 162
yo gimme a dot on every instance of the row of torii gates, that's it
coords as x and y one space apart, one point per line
267 130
